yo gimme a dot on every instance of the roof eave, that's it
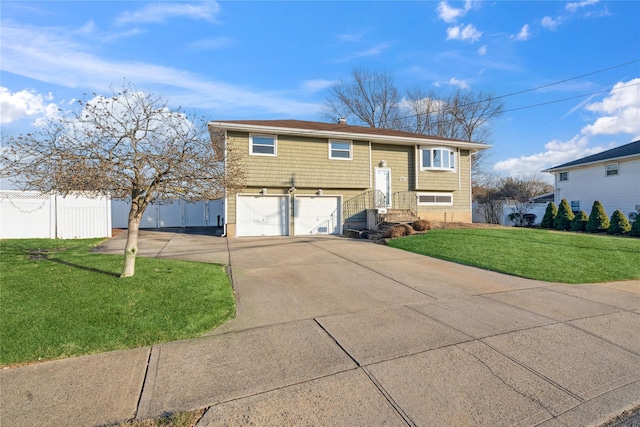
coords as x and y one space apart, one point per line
399 140
595 162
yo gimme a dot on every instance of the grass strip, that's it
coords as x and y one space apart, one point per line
545 255
60 300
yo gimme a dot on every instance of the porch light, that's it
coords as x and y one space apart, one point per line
383 163
319 193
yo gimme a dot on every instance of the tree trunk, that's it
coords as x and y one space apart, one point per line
131 249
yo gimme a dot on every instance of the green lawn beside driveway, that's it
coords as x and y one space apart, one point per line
533 253
58 300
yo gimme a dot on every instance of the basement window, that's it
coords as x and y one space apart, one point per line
435 199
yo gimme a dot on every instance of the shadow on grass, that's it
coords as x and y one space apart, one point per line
82 267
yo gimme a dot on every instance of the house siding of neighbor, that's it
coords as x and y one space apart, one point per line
300 176
612 177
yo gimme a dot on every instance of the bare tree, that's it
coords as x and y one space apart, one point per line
373 100
516 192
129 145
369 97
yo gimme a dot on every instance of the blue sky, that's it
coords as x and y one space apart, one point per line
275 60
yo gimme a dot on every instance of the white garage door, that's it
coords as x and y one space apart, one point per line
317 215
264 215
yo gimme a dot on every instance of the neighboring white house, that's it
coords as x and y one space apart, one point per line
612 177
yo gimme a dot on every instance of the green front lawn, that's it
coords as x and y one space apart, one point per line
536 254
59 300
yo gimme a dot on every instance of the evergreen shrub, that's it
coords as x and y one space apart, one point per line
598 219
635 227
619 223
579 222
563 218
549 215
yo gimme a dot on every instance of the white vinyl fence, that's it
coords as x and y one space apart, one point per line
26 214
171 213
537 209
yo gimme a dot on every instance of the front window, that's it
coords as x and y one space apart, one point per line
611 169
340 150
575 205
438 159
564 176
262 145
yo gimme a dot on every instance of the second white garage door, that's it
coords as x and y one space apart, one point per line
317 215
263 215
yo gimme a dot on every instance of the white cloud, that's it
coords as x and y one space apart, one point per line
572 7
482 51
316 85
450 14
458 83
161 12
556 153
25 103
620 109
549 23
462 32
524 33
49 55
619 114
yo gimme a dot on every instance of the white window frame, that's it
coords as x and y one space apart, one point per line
566 177
331 149
615 167
451 156
575 205
251 145
434 203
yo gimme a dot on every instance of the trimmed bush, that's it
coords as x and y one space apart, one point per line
579 222
598 219
563 218
619 223
549 215
421 225
399 231
635 227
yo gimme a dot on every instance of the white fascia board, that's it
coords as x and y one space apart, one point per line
595 162
394 140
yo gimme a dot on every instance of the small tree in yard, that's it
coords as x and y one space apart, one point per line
562 221
598 219
619 223
549 215
129 145
579 222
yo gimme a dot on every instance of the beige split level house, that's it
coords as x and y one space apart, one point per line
307 178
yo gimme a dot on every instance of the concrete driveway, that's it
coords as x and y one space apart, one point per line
332 331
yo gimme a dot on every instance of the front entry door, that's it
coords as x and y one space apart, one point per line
383 184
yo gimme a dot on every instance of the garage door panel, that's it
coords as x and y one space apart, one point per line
262 215
317 215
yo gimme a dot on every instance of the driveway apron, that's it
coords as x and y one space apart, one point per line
332 331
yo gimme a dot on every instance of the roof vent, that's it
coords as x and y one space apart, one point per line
342 121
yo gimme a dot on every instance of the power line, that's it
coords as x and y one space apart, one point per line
571 97
534 89
566 80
